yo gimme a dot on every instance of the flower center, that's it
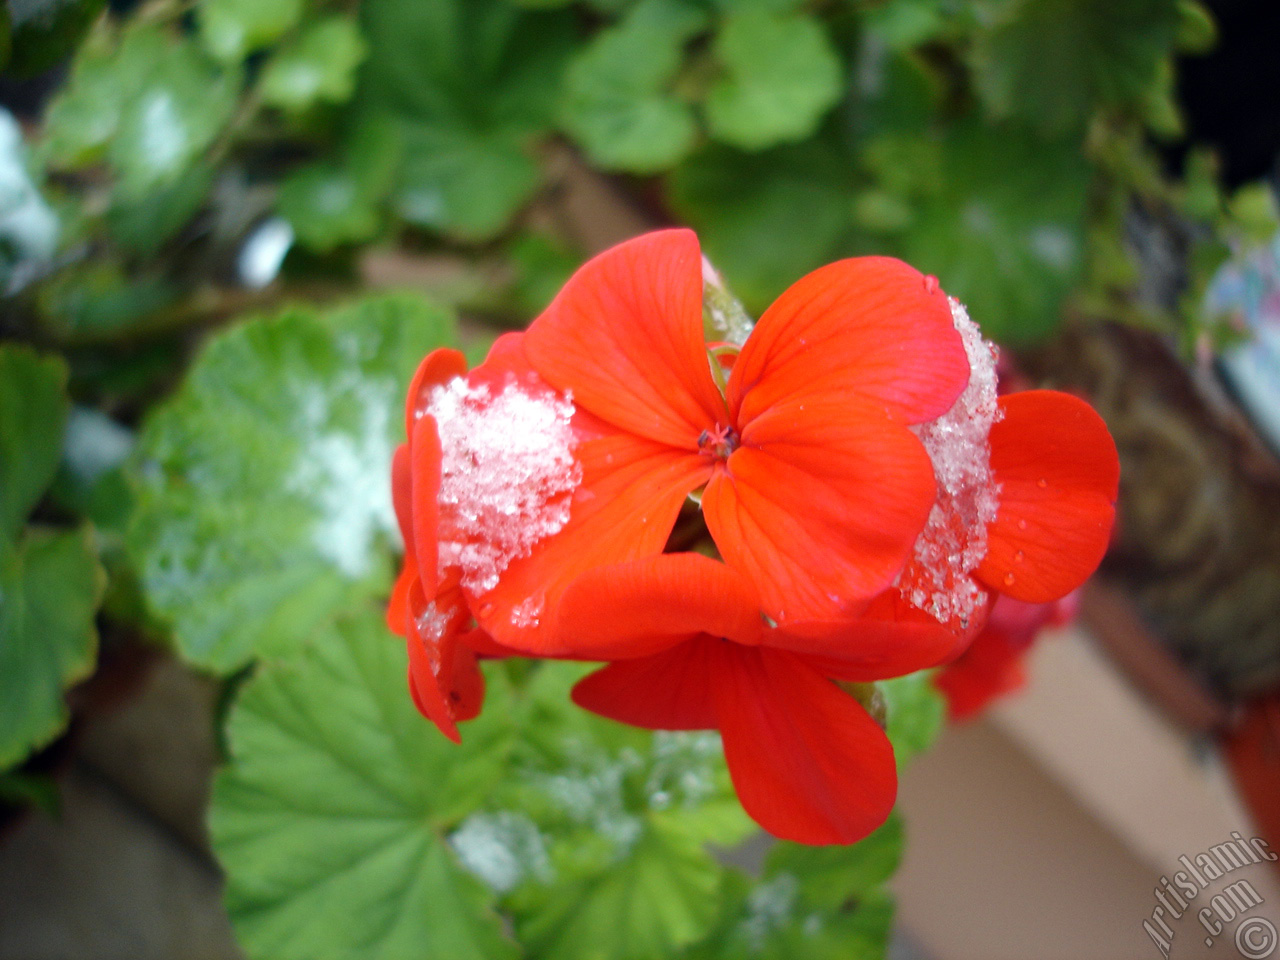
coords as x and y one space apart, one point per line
718 443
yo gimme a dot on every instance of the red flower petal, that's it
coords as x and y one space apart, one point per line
625 507
424 459
637 608
671 690
432 706
398 605
507 362
820 506
437 367
625 335
992 666
466 687
1059 474
401 483
434 656
867 329
402 494
807 761
868 649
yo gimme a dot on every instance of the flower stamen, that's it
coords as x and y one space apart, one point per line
718 443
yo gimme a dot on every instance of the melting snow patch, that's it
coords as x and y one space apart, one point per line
770 907
684 766
590 791
502 849
344 472
507 476
954 539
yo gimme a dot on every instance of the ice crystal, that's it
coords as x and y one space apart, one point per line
507 475
432 624
939 578
526 614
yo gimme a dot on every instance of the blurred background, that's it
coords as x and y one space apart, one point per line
229 229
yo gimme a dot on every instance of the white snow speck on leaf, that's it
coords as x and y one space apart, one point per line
344 473
503 849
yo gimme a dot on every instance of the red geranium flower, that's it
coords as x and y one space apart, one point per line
813 486
864 487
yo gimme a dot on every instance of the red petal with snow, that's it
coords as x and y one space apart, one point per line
401 485
437 367
671 690
637 608
424 489
868 329
807 761
433 657
1059 475
625 507
625 335
820 506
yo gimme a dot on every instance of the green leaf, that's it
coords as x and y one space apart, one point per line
769 6
96 301
33 416
50 585
318 67
829 877
1004 233
659 898
915 713
329 820
37 790
264 498
231 29
766 219
781 75
1052 62
151 104
542 266
811 903
327 206
43 33
335 202
623 817
146 224
1197 30
903 24
92 480
773 919
618 99
474 86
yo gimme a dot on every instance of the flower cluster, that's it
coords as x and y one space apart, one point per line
736 530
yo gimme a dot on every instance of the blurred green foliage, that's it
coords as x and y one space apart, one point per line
200 163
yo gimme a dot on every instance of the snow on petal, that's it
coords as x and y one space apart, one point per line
939 577
507 474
